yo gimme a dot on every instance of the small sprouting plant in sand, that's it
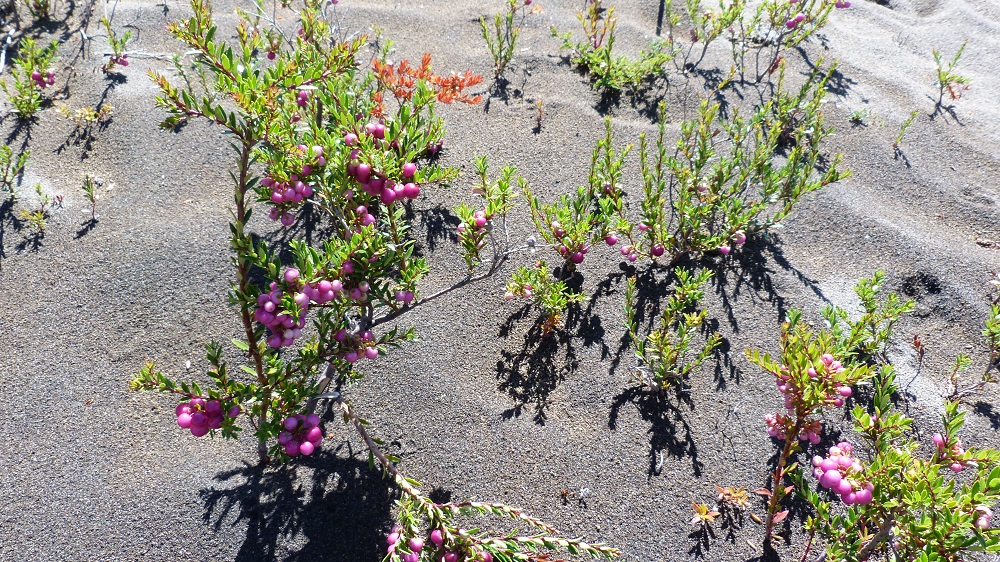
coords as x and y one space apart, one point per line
761 37
11 167
501 37
37 218
897 143
349 147
118 56
545 291
811 380
991 331
662 354
86 117
900 503
703 515
31 76
40 9
948 81
594 54
860 117
705 26
89 188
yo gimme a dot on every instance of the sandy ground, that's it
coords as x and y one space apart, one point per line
476 409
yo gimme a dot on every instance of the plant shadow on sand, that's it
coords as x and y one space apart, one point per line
332 501
530 374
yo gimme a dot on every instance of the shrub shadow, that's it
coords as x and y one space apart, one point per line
668 431
331 499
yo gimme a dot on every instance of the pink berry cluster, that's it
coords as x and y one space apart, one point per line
376 182
568 249
738 239
48 79
285 194
842 473
356 347
628 252
480 221
830 367
777 425
795 20
950 452
118 59
416 546
301 436
284 327
200 415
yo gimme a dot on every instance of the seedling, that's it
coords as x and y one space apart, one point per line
31 76
991 331
948 81
703 515
905 126
40 9
10 168
860 117
85 117
90 193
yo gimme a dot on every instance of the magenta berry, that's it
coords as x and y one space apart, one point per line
436 538
724 250
657 250
416 544
409 169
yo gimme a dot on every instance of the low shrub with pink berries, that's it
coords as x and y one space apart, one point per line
31 76
358 147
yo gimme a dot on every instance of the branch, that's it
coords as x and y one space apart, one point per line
877 540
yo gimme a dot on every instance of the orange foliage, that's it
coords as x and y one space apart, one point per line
401 80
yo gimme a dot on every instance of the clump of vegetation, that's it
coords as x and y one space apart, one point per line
595 54
31 76
948 81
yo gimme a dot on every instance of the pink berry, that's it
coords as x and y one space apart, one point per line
450 557
939 440
827 359
371 353
184 421
576 257
739 238
409 169
199 430
436 537
411 557
291 423
36 76
393 538
314 435
292 448
306 448
845 391
416 544
724 250
844 487
611 239
291 274
182 408
234 411
411 190
956 467
271 55
657 250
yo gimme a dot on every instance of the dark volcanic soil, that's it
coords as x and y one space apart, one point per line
478 408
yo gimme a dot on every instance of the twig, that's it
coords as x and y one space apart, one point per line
880 536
